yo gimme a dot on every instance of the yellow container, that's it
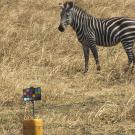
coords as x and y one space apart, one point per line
33 127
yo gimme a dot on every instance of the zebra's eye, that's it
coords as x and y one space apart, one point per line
67 15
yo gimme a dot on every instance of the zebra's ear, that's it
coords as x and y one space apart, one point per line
71 4
61 5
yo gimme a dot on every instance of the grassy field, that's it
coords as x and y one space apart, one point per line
34 53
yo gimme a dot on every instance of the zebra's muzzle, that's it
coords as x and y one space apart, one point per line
60 28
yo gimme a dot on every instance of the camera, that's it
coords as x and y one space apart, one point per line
32 94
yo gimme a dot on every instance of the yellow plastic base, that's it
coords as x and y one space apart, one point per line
33 127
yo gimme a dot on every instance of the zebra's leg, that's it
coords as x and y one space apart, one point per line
86 57
95 54
128 46
133 59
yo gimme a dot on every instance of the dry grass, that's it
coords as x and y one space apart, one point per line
34 53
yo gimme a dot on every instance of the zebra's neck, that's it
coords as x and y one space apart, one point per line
79 17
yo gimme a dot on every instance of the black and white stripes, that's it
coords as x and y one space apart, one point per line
92 31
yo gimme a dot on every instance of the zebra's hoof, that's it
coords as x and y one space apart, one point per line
132 69
126 69
98 68
85 71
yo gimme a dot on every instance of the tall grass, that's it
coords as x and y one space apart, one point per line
34 53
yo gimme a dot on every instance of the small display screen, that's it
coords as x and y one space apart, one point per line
31 94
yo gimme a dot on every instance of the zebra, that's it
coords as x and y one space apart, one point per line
92 31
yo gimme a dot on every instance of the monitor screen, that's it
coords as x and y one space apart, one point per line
31 94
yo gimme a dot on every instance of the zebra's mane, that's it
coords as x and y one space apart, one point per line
89 15
80 9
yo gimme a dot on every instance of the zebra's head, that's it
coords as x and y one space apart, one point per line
65 15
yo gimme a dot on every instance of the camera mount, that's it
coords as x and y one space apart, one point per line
31 95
